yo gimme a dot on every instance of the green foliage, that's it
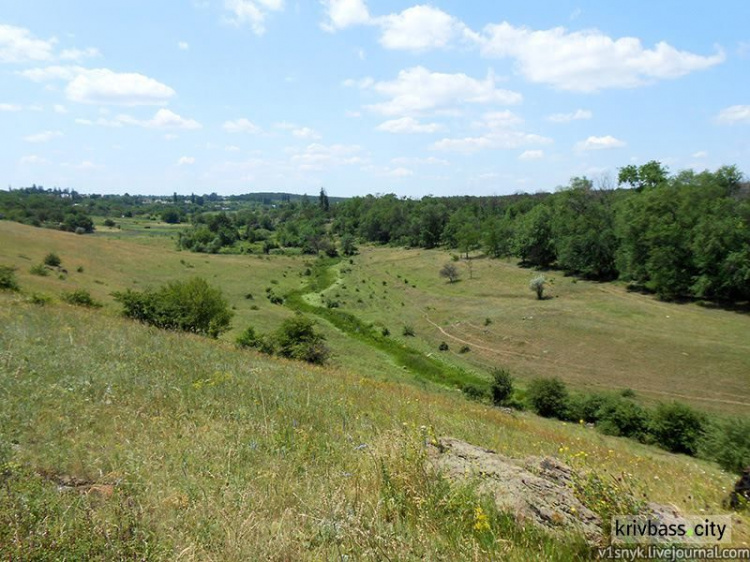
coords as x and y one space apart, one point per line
248 338
624 418
80 297
443 346
52 260
296 338
189 306
39 269
475 392
8 281
533 237
501 387
39 299
678 428
450 272
464 349
407 331
548 397
728 443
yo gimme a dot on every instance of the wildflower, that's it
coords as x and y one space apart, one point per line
481 522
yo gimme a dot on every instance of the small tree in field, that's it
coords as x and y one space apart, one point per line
449 271
538 284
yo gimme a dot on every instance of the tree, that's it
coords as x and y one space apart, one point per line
651 174
548 397
502 386
533 237
347 245
323 201
449 271
537 285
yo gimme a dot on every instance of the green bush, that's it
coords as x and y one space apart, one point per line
624 418
80 297
548 397
502 387
678 428
443 346
586 407
728 444
39 270
52 260
248 338
296 338
408 331
8 280
39 299
188 306
474 392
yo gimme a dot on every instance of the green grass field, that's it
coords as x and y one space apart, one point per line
120 441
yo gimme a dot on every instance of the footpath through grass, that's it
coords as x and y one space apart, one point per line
322 277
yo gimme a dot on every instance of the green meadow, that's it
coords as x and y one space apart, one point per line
121 441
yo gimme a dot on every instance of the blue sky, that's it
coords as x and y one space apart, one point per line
446 98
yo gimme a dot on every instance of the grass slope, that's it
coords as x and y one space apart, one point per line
190 449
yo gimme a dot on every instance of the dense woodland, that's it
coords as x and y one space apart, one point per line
685 235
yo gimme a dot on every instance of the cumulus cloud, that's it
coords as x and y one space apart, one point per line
305 133
345 13
588 61
252 12
186 161
10 107
734 114
600 143
494 140
163 119
103 86
418 161
399 173
408 125
19 45
531 155
183 46
700 154
418 90
320 157
44 136
241 126
577 115
33 160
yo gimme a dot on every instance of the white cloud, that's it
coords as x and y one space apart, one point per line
232 148
700 154
44 136
734 114
345 13
417 161
418 90
408 125
531 155
104 86
399 173
600 143
588 61
33 160
306 133
500 120
171 137
352 114
494 140
252 12
362 83
163 119
59 108
241 126
18 45
76 55
10 107
186 161
577 115
320 157
419 28
183 45
101 122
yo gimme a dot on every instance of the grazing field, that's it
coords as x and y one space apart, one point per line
593 335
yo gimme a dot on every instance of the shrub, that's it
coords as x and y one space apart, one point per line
474 392
39 270
39 299
450 272
586 407
52 260
537 284
502 386
79 269
624 418
385 332
189 306
443 346
548 397
80 297
8 280
109 223
297 339
408 331
464 349
248 338
729 445
678 428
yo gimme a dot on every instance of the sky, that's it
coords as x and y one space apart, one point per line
452 97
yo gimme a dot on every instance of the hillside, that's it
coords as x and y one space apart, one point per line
123 441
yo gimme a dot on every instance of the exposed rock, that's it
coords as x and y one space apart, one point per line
536 490
741 494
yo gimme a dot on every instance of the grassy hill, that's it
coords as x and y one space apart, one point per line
123 441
